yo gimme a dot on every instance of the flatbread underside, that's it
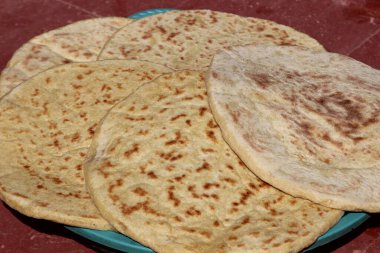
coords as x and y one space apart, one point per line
46 127
304 121
160 172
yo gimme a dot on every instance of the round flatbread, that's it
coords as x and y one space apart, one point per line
188 39
81 41
46 127
160 172
306 122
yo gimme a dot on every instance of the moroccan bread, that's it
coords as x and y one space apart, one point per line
188 39
160 172
47 124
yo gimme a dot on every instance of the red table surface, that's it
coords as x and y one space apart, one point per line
350 27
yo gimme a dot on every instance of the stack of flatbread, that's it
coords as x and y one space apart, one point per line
189 131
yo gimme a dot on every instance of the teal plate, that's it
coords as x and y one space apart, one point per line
117 241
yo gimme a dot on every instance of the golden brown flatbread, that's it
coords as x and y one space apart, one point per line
188 39
46 127
160 172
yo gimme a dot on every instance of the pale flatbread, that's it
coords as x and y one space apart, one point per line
46 127
188 39
160 172
306 122
77 42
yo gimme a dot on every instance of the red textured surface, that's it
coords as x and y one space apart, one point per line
350 27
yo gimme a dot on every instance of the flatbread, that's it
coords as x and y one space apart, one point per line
46 127
188 39
160 172
306 122
81 41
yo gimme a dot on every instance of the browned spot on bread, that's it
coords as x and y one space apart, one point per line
204 166
83 114
178 139
292 232
91 129
188 122
178 219
103 167
212 124
245 221
232 238
191 188
179 178
147 48
35 93
229 180
171 156
327 137
215 196
152 175
143 132
269 239
47 80
202 111
178 116
75 137
77 86
211 135
78 167
187 98
41 186
262 80
172 197
140 191
207 150
192 211
79 77
216 223
206 234
255 233
161 97
208 186
105 87
244 196
161 29
42 204
144 206
131 151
